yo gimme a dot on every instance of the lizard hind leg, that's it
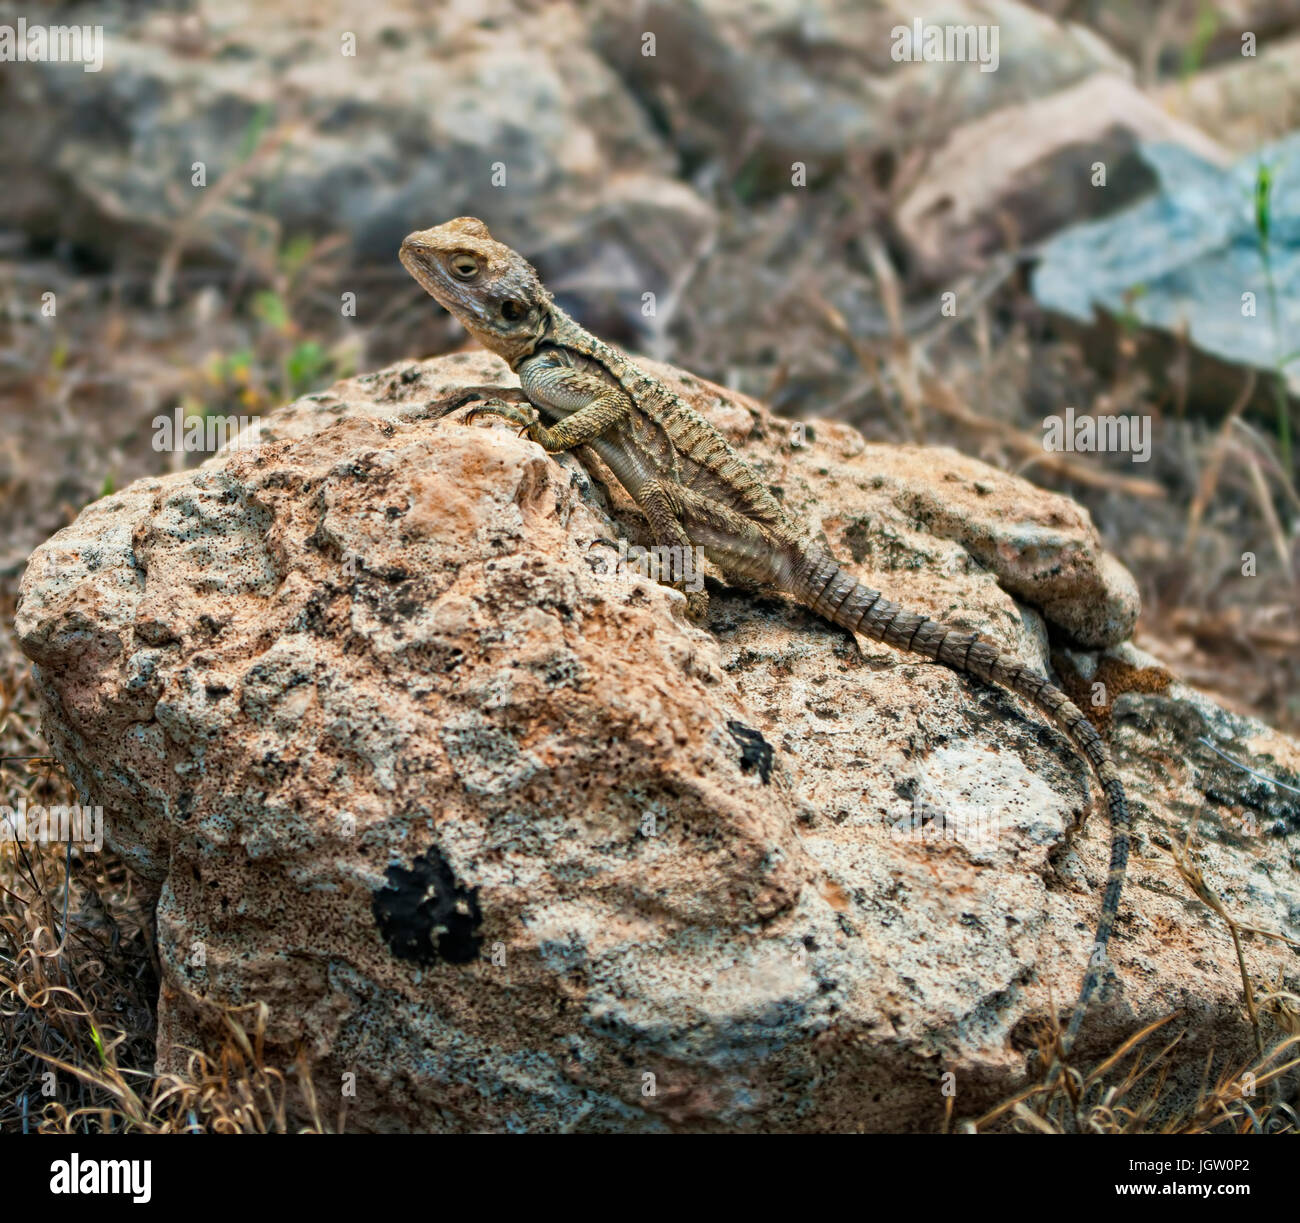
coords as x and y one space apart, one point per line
673 548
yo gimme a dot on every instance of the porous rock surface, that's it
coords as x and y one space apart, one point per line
488 824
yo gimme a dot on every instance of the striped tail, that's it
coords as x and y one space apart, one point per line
820 583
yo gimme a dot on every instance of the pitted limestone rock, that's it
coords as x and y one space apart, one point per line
495 828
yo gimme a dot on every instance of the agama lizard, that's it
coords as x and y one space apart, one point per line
694 490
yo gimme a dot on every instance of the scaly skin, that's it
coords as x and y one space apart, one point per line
695 490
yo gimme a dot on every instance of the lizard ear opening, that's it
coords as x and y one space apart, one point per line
512 311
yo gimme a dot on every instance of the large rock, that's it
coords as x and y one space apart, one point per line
1192 266
1029 169
772 82
300 132
488 824
1245 102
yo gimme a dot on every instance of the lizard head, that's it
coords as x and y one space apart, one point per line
491 289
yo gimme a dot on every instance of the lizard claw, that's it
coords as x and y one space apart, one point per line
508 411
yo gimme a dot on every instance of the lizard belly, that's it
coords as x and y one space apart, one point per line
626 462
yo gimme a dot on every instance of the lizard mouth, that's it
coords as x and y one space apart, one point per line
422 268
430 275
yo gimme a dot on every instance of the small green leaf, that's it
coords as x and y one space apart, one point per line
295 253
271 309
306 365
99 1044
1207 26
1263 203
1128 317
257 125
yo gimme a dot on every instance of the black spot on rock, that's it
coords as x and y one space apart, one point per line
211 625
755 751
424 915
272 767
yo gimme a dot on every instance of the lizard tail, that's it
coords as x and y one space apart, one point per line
840 598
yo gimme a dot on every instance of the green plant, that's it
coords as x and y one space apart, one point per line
1263 201
1203 32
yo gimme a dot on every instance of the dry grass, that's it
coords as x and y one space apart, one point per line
77 1018
1125 1093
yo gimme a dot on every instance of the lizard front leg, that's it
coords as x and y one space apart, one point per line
589 405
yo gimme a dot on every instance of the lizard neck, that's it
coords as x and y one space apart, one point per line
566 332
553 323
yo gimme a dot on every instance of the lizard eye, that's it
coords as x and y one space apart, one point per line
512 311
464 267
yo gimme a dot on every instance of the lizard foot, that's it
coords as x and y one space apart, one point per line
697 604
507 411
